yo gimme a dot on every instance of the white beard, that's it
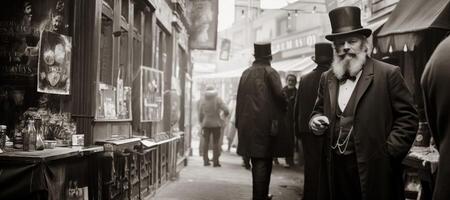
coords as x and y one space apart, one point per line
351 64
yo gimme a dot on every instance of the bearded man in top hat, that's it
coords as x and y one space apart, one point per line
313 148
260 109
366 112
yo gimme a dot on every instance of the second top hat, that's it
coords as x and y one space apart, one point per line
323 53
346 20
262 50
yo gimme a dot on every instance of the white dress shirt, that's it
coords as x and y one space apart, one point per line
346 90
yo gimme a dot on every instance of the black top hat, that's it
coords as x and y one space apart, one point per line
346 20
323 53
262 50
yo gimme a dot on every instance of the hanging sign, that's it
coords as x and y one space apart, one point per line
203 24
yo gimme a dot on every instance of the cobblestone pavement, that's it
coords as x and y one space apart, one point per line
231 181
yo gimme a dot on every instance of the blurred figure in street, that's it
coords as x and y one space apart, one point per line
209 115
260 110
435 79
289 92
313 145
366 112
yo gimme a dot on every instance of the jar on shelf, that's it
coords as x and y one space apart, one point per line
2 136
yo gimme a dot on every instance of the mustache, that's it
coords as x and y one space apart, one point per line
349 54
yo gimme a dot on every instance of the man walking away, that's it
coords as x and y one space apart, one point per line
209 115
260 109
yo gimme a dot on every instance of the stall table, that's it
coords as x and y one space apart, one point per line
423 160
58 173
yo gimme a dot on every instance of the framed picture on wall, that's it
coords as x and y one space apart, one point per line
151 94
54 63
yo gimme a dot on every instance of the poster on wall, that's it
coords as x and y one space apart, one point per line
21 25
203 18
54 63
151 94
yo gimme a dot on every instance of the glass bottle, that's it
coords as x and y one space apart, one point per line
29 136
2 136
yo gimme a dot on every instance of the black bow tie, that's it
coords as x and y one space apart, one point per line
347 77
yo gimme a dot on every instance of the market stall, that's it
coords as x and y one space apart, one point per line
407 39
46 174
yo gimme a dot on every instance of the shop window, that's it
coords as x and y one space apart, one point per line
106 50
123 71
148 36
113 97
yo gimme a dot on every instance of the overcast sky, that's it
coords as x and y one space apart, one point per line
226 10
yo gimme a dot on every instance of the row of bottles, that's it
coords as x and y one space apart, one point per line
29 139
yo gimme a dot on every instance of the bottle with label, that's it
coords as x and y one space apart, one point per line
423 135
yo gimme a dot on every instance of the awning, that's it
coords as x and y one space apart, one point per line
408 19
290 65
226 74
295 64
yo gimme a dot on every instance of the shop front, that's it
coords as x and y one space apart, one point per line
407 39
83 97
43 111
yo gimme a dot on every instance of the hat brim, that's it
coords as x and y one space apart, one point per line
364 31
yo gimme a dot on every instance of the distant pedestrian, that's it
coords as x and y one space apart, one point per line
209 115
435 79
313 145
289 92
366 112
260 110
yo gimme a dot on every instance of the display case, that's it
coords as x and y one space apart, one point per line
113 104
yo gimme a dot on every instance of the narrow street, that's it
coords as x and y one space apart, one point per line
231 181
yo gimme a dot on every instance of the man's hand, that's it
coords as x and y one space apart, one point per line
319 124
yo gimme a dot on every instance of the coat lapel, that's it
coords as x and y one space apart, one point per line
332 89
365 81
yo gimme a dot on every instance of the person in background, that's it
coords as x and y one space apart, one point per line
209 115
366 112
435 79
313 146
260 110
289 92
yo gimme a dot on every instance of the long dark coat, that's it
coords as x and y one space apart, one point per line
259 102
385 125
313 145
286 140
435 80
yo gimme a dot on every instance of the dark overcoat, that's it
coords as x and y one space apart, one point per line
435 80
286 141
313 145
385 125
259 103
